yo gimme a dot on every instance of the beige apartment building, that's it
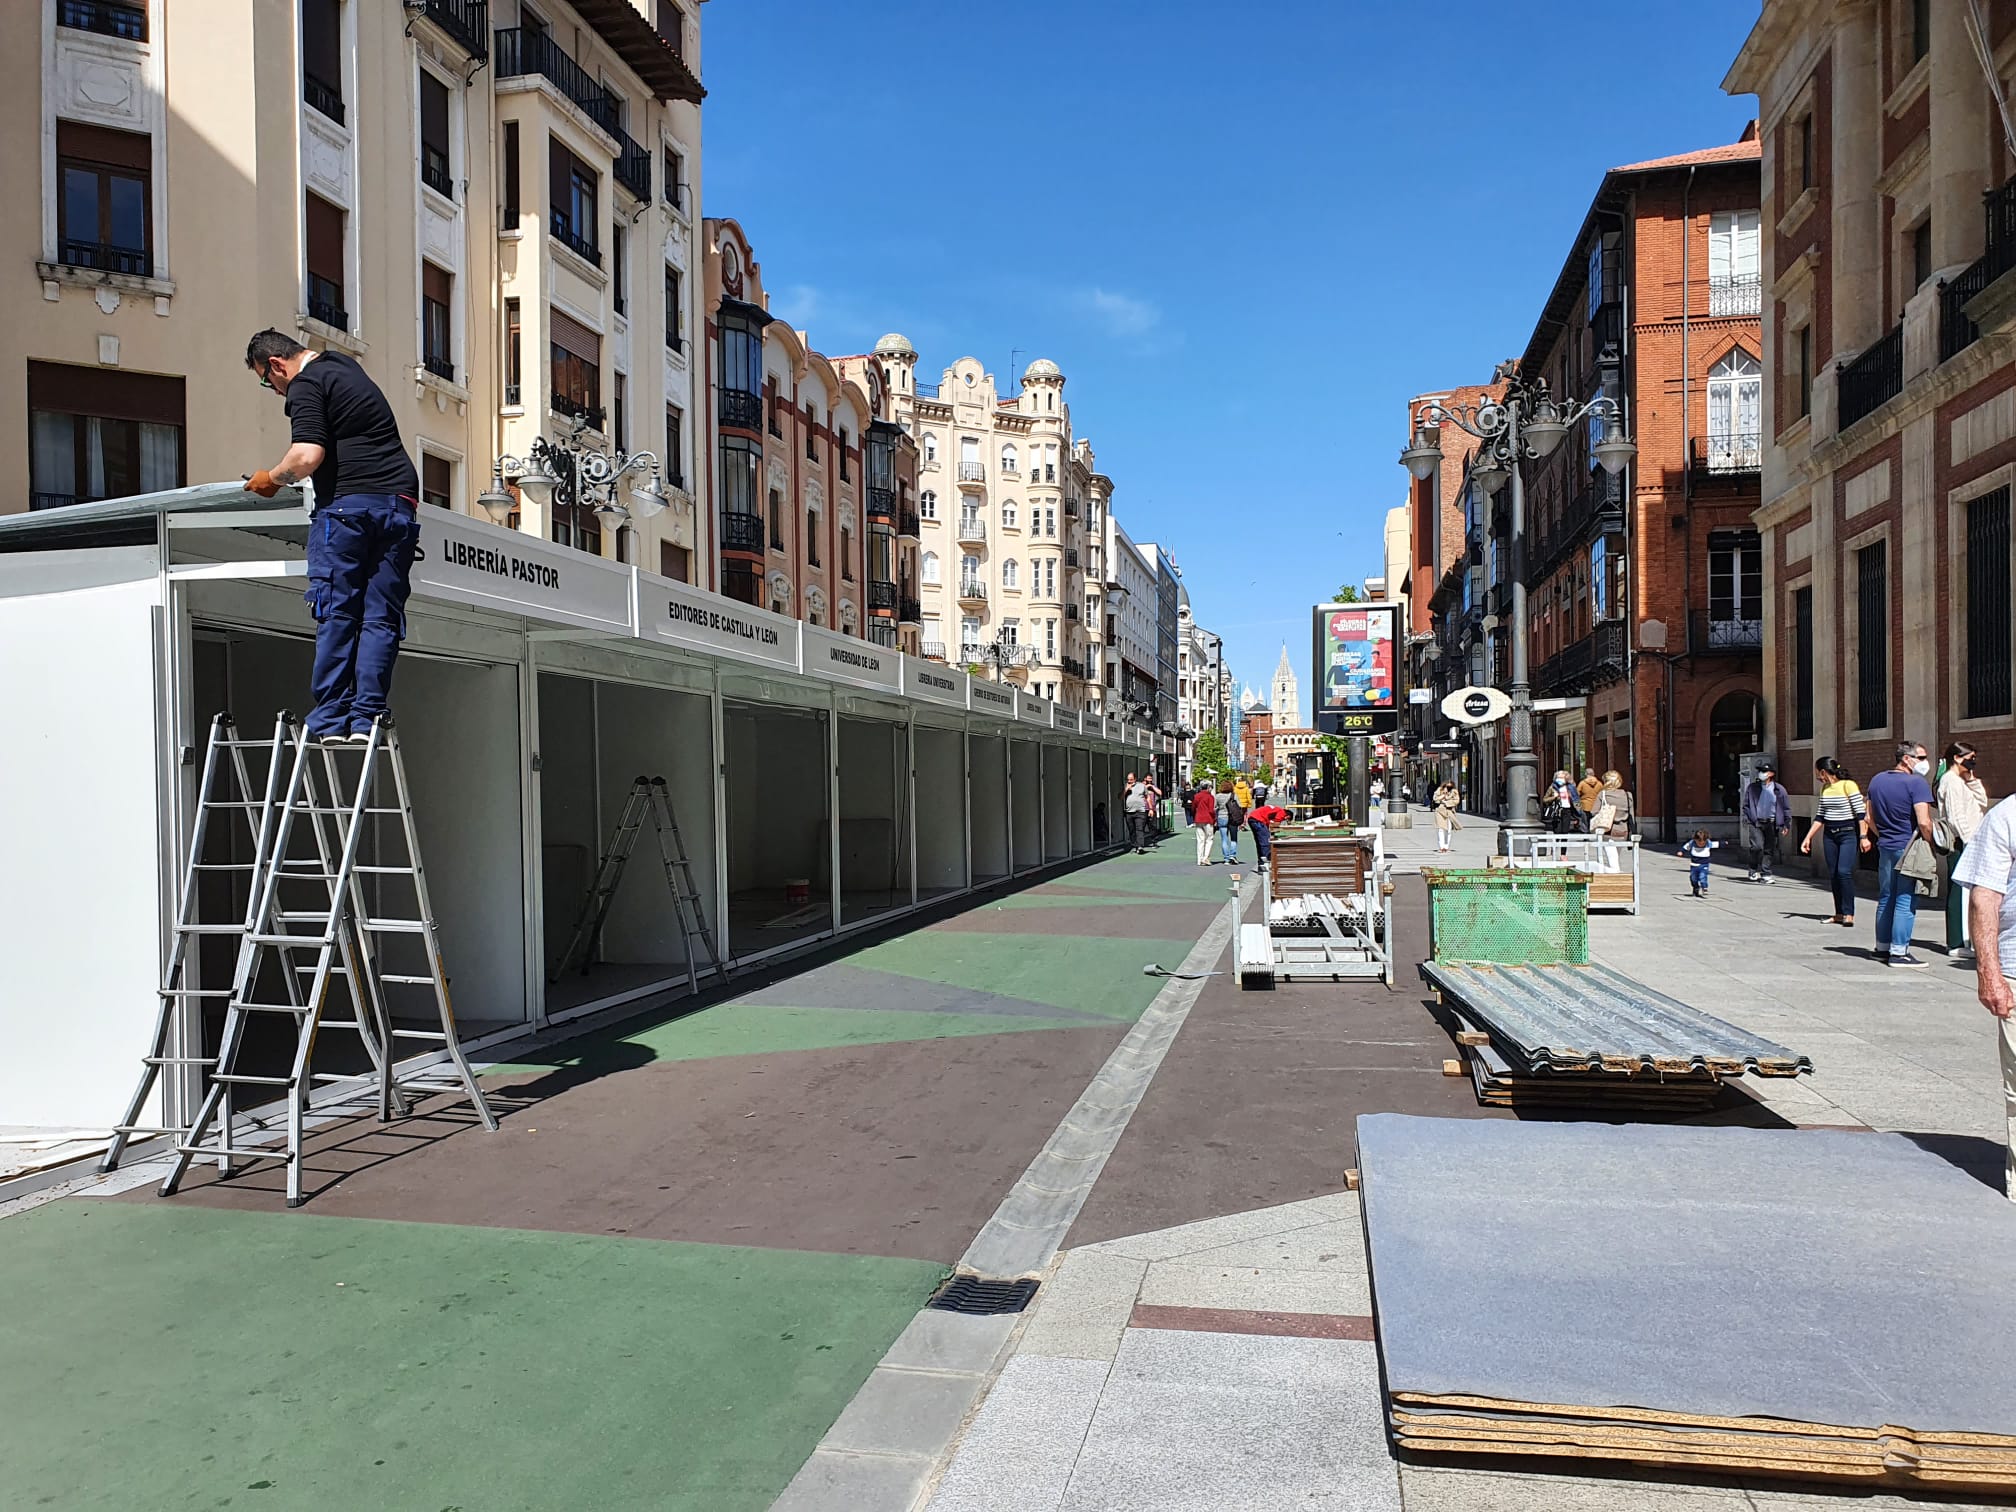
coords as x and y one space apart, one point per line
1007 501
814 483
1889 376
491 207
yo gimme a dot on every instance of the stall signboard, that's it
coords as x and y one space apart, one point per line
934 682
469 561
992 698
1031 709
1357 678
678 614
843 658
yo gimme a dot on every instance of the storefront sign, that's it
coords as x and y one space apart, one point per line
1031 709
992 698
470 561
1357 686
845 659
934 682
1476 705
677 614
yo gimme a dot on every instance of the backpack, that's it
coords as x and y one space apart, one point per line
1234 814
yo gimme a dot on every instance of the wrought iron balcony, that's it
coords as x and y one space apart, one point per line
1613 651
522 52
107 258
909 611
882 505
1568 672
742 410
1070 556
882 596
972 472
325 302
322 96
1873 378
1071 611
972 530
1736 294
741 532
1729 454
972 591
108 18
910 525
434 171
565 234
467 21
1725 632
633 165
1956 331
440 367
1071 509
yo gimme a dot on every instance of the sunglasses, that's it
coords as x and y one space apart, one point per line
264 381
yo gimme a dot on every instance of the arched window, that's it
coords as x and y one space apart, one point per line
1011 574
1736 413
927 504
1008 459
929 567
930 449
1007 514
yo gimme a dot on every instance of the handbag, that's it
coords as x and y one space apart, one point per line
1945 838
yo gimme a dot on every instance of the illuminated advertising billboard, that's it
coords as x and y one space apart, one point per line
1357 684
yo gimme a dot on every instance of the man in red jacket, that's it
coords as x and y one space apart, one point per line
1261 819
1204 815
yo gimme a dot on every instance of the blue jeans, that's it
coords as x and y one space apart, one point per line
1841 852
1896 904
1697 875
360 550
1262 841
1228 841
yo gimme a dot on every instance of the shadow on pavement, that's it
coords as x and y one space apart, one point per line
1983 1159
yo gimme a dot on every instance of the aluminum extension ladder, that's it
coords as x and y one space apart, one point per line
649 798
341 934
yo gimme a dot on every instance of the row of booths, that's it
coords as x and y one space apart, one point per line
820 782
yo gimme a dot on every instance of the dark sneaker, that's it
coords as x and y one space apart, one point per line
1907 959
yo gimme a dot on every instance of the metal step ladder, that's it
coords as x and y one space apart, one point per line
340 933
649 798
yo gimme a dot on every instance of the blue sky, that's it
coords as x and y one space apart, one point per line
1247 232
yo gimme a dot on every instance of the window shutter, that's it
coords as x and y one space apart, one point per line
573 337
434 284
97 144
559 162
1720 227
325 239
106 392
1747 231
433 112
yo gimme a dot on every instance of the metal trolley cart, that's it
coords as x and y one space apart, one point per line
1327 918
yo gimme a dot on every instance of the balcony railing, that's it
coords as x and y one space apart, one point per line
927 390
741 532
1613 651
910 611
325 302
1718 633
972 472
1736 295
440 367
972 530
323 96
521 52
1874 377
932 650
107 258
58 500
633 166
972 590
565 234
1956 331
882 505
1999 207
434 171
1070 556
1070 611
513 395
909 524
742 410
108 18
467 21
1071 509
882 596
1568 671
1731 454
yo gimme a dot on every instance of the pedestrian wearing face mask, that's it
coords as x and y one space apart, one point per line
1963 801
1900 812
1767 809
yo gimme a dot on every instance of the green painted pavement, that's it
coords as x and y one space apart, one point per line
764 1028
1085 972
167 1357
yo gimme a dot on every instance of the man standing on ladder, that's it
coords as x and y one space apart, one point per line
362 537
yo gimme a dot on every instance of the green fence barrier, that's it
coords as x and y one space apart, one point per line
1508 916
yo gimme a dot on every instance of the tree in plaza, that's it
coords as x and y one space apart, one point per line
1207 757
1266 774
1348 594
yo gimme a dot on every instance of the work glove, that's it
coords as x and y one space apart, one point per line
262 484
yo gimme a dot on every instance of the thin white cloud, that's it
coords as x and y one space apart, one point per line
1123 314
796 305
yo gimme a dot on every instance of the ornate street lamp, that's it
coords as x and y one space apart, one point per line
1526 423
566 475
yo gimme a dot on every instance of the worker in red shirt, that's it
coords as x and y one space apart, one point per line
1204 815
1261 820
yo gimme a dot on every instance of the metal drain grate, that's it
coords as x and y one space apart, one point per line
983 1296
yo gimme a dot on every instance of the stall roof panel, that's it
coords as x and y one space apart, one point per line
131 520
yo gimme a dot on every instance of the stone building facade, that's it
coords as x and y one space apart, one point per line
1889 377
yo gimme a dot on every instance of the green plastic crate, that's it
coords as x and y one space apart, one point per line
1509 916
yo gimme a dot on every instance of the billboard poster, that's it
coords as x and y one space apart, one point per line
1357 688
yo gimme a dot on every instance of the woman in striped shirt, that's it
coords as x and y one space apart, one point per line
1843 822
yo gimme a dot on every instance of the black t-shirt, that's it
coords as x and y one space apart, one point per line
334 405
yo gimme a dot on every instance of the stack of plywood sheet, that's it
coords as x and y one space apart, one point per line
1585 1036
1811 1303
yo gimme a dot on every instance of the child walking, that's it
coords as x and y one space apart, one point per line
1697 851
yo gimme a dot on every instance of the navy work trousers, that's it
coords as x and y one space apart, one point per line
360 550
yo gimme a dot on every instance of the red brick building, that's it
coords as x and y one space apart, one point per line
1645 591
1256 738
1890 379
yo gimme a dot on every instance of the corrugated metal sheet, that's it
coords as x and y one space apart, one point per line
1590 1018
